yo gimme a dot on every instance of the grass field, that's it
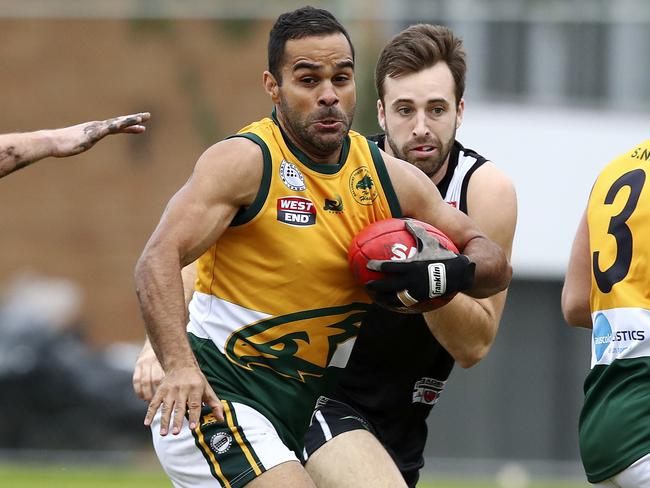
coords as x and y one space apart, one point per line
30 476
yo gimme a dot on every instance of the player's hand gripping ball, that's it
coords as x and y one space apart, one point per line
409 266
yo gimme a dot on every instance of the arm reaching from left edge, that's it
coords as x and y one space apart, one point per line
148 373
22 149
466 327
577 283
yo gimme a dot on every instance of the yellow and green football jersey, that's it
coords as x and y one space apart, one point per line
614 428
276 308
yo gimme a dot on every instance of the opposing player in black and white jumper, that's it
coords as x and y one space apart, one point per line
400 363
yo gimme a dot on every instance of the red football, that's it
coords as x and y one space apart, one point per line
389 239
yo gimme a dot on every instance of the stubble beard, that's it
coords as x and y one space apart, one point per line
429 166
307 137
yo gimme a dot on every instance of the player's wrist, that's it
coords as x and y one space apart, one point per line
45 143
460 274
180 364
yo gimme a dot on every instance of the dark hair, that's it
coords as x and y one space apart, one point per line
419 47
303 22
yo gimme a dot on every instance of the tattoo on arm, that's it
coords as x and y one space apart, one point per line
93 134
113 126
11 161
8 153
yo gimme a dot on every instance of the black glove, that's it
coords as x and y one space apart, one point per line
432 272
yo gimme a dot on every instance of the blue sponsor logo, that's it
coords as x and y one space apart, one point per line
602 335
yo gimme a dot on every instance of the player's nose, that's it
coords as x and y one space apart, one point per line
420 127
328 95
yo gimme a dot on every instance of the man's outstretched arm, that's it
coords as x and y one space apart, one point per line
22 149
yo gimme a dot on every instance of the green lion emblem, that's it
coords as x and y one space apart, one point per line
295 345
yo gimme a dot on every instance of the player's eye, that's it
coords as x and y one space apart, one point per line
404 110
438 110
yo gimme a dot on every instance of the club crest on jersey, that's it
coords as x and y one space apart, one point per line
427 391
298 345
362 186
221 442
291 176
297 211
335 206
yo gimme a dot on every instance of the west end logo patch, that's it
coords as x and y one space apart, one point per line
362 186
297 211
291 176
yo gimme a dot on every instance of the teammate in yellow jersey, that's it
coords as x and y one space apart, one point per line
607 289
22 149
275 308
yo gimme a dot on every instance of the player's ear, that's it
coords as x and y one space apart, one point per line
381 115
271 86
459 112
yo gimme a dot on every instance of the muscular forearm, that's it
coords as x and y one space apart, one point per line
189 274
20 150
160 291
493 270
466 327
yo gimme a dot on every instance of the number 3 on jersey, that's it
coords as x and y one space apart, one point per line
618 228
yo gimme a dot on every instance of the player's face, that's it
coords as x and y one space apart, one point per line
317 97
420 116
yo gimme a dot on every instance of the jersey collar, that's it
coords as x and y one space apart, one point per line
304 159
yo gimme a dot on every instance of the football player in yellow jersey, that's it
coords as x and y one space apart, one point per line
607 289
275 306
22 149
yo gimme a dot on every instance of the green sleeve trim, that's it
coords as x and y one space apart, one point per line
245 215
386 184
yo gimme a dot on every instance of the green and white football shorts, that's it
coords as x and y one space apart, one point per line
637 475
232 453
